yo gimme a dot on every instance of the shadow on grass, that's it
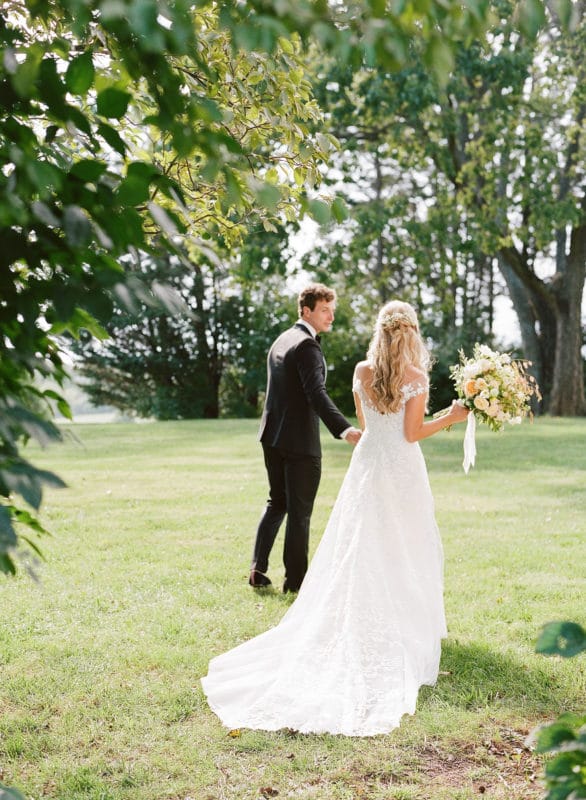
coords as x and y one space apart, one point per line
474 676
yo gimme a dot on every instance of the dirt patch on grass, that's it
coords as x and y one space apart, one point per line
501 766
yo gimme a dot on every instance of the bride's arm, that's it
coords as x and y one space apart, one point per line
416 427
359 413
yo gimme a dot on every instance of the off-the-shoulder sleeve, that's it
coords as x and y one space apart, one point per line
414 389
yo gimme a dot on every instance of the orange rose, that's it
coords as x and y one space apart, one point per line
470 388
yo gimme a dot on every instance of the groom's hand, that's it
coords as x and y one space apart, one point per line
352 435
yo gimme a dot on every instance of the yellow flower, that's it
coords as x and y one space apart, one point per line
481 403
470 388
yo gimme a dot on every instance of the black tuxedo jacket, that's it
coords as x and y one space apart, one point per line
296 397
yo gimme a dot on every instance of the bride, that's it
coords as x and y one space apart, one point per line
365 630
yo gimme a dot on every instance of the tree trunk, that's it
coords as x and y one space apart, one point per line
537 323
567 394
551 327
207 358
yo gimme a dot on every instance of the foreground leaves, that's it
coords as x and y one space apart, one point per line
565 639
564 739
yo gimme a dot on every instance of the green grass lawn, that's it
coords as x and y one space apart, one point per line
145 580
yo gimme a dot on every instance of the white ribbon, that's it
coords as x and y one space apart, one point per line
469 443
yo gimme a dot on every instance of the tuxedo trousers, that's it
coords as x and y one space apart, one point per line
293 483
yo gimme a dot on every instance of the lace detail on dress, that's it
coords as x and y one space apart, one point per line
413 389
365 630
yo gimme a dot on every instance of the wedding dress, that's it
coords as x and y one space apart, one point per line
365 630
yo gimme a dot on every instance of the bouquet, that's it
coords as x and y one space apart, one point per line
496 389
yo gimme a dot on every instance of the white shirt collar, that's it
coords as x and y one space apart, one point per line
309 327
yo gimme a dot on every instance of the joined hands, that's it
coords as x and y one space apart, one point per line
353 436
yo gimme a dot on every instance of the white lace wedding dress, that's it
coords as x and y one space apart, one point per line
365 630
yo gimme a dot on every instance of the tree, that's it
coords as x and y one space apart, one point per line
208 357
494 160
516 161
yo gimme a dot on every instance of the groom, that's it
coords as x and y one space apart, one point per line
296 400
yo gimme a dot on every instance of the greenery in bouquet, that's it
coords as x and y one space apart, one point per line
495 387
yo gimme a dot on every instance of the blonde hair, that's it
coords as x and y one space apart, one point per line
396 345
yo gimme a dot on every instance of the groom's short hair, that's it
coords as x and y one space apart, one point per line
312 293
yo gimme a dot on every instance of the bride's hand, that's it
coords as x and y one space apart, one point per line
458 412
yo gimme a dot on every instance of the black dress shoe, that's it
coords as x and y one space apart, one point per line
257 580
287 588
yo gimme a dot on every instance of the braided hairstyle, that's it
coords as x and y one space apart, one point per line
395 345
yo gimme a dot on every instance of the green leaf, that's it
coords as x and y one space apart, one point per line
169 187
112 10
339 209
33 545
440 59
46 178
566 766
207 110
142 16
6 793
62 403
75 116
163 218
98 304
550 737
63 299
25 78
563 9
320 211
142 170
133 190
80 319
51 87
530 17
76 225
50 133
267 195
126 298
112 103
7 532
565 639
378 7
233 188
88 169
125 228
23 517
8 567
112 137
45 214
80 73
27 481
169 298
31 424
